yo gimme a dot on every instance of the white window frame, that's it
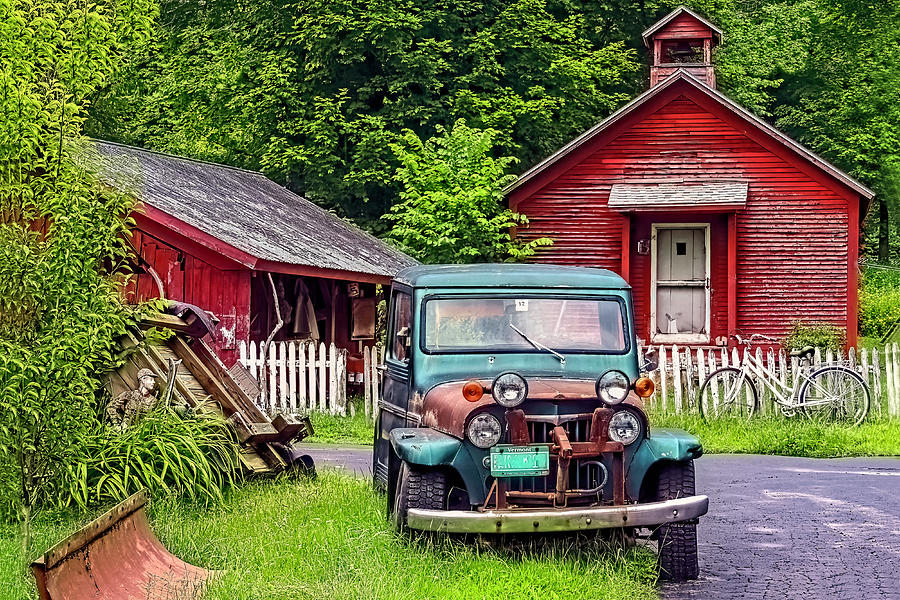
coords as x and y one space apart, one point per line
677 338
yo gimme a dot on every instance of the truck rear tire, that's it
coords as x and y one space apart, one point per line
677 541
418 488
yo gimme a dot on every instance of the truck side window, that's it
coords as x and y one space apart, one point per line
400 335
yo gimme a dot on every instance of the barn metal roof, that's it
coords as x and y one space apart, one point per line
629 196
245 210
683 76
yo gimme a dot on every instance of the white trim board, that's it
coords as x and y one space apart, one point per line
678 338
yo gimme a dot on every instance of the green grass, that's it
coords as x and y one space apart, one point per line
330 429
330 539
788 437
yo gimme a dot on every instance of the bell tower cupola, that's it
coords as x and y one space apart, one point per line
682 40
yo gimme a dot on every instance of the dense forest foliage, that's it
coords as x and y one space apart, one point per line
322 94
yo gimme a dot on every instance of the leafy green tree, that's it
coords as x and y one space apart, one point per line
59 237
846 102
313 92
451 201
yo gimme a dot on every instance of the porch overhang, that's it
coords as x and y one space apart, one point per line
718 196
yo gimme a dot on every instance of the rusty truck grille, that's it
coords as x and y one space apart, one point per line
581 476
578 430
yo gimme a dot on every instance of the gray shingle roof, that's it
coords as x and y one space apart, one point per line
673 195
245 210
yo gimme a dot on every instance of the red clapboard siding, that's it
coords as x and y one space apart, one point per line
683 26
792 237
225 293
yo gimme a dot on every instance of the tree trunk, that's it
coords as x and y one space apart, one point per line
26 531
884 231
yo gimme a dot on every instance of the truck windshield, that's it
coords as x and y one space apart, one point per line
563 324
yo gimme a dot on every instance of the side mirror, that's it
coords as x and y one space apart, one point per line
651 360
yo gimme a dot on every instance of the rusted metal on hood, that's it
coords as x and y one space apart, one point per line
116 557
445 409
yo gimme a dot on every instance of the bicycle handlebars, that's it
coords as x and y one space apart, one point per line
752 339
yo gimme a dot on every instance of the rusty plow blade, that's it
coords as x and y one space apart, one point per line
116 557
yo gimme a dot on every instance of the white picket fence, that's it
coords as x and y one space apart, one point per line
299 377
681 372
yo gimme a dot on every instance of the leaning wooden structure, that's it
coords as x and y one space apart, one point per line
201 377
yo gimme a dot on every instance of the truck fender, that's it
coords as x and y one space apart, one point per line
424 446
673 445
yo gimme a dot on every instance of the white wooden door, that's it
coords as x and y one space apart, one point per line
680 294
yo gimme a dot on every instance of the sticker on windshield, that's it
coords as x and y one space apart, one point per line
521 305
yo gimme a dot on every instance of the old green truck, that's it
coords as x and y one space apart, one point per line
512 403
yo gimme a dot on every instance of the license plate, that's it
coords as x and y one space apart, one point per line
520 461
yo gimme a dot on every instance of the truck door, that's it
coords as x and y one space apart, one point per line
394 403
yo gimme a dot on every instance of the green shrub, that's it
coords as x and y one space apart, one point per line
879 302
819 335
193 456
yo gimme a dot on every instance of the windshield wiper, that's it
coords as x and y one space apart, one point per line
538 345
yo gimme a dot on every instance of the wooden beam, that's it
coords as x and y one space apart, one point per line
626 247
852 271
732 274
214 369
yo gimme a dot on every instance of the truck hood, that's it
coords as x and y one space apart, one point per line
445 409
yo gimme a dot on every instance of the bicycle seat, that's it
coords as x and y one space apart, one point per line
806 351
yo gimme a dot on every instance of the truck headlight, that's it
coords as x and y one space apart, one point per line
613 386
624 427
484 430
509 390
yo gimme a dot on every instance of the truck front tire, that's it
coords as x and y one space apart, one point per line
677 541
418 488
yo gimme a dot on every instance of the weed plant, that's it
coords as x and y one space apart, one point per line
193 456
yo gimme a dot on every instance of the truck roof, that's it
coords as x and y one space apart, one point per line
510 275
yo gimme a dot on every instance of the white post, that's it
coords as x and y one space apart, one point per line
301 375
321 365
782 367
876 376
889 378
715 390
764 391
283 391
292 375
377 357
689 378
676 377
333 397
663 379
311 375
367 375
895 358
271 358
701 377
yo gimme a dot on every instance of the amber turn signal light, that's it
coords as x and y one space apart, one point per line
644 387
473 391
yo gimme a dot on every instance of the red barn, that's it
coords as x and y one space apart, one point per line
722 224
238 245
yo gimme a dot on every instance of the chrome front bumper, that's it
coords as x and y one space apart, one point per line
546 520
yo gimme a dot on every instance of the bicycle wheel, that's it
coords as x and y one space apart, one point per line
835 395
726 394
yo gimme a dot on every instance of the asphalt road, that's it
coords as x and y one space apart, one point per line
785 528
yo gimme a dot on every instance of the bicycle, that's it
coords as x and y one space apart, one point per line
832 393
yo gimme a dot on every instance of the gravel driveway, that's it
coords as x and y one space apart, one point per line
785 528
